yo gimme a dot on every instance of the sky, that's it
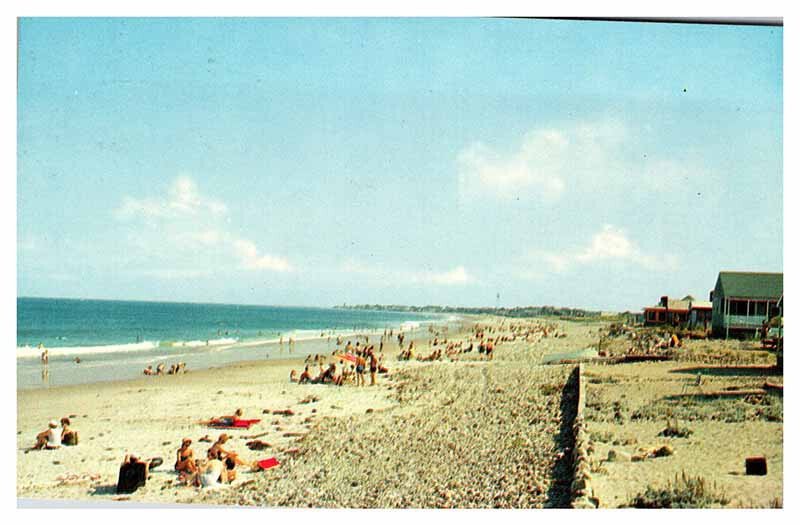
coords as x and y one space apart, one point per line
473 162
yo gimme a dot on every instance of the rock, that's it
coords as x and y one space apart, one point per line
618 456
370 411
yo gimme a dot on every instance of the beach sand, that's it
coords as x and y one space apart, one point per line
486 425
459 434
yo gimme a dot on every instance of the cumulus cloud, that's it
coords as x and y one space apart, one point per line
182 200
251 259
454 277
188 230
549 162
609 244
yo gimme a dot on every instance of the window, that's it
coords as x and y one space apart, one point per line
760 308
738 308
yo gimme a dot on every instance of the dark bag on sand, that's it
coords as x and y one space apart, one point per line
131 477
70 439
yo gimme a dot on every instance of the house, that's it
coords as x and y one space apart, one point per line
742 301
679 312
667 311
700 314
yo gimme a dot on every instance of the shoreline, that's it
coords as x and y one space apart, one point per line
32 375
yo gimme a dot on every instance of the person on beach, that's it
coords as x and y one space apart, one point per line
69 437
184 461
373 367
305 377
211 474
229 458
160 369
361 364
228 421
48 439
148 371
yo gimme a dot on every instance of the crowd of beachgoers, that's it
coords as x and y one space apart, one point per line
348 364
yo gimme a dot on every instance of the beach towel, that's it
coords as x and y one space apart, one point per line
268 463
242 423
348 357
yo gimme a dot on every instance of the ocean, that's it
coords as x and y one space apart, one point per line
117 339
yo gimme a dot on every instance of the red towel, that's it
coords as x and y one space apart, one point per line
268 463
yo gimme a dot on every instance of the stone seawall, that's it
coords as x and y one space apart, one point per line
582 494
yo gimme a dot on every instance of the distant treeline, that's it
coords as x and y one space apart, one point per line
519 311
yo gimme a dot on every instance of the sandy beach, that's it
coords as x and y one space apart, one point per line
468 433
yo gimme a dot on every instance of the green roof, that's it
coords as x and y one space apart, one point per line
751 284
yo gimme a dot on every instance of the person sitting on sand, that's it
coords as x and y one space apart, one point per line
212 473
305 377
184 462
149 370
160 369
326 376
229 458
48 439
68 436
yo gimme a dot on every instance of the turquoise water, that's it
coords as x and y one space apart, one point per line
117 339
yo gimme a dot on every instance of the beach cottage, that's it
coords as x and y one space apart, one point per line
742 301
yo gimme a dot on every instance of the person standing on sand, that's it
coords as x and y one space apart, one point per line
45 354
361 364
373 366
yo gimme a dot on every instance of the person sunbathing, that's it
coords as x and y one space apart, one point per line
48 439
227 421
184 461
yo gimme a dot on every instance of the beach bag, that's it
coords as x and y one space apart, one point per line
131 477
70 439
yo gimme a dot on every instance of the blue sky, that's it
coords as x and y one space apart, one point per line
410 161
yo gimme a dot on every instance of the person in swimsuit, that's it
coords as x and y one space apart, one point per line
361 364
228 421
184 462
229 458
373 367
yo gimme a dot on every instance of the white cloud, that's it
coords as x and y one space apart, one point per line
457 275
182 199
454 277
609 244
549 162
251 259
187 231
